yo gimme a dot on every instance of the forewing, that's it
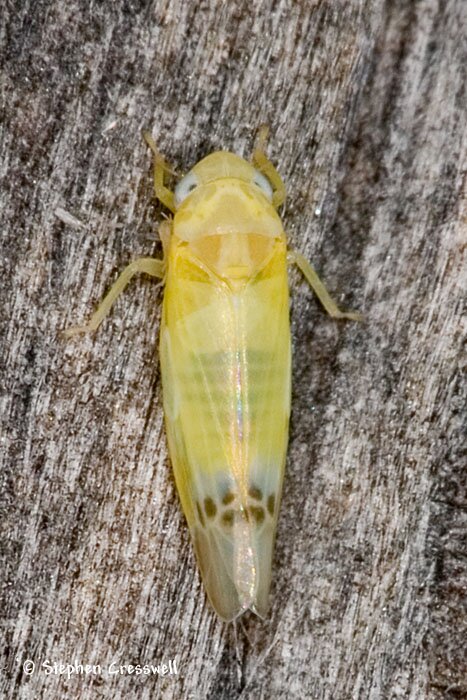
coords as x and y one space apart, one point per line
225 359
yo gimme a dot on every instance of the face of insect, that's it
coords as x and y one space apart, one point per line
218 166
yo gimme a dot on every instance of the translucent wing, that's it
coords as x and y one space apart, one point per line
225 358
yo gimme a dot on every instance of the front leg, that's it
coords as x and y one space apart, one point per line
150 266
319 289
163 193
264 165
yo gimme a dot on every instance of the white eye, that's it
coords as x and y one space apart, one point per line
185 187
264 184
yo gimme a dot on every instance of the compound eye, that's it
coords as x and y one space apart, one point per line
263 183
185 187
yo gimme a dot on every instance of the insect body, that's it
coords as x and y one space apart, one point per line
225 355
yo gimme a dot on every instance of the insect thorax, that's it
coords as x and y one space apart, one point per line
229 226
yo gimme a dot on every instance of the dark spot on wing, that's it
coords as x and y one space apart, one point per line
271 504
210 507
255 493
257 513
228 517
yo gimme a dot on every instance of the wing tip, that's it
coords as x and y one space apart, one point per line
228 602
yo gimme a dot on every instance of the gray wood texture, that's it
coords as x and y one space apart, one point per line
366 104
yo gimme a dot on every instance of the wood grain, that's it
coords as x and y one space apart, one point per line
366 104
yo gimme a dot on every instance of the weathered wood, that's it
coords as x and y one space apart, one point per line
366 103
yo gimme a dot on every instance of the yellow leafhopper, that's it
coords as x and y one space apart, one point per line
225 354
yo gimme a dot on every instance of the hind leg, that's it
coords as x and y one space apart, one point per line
319 289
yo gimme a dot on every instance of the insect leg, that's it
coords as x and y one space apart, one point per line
264 165
319 289
150 266
163 194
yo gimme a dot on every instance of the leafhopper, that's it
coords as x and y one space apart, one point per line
225 354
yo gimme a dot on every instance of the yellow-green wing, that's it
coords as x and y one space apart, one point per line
225 358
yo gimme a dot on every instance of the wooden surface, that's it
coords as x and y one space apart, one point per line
366 103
